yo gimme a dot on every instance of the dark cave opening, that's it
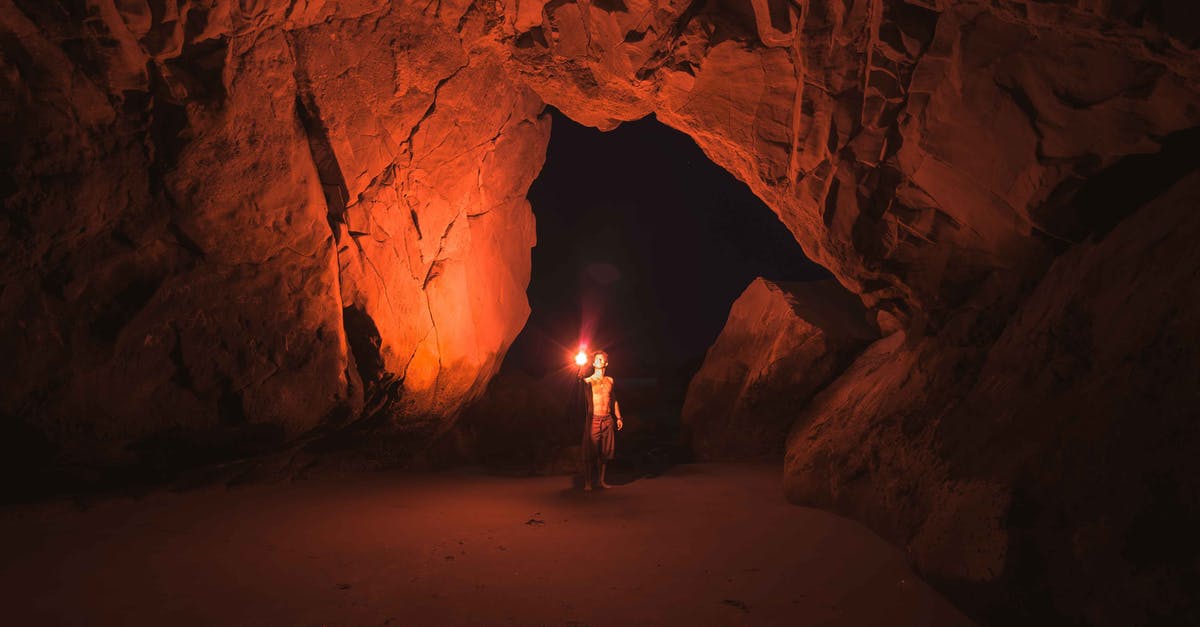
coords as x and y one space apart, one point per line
259 256
643 244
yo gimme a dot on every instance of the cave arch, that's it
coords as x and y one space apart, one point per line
659 220
643 246
196 199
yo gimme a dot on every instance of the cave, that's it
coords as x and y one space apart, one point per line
643 246
266 266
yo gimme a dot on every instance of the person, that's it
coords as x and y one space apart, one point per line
599 440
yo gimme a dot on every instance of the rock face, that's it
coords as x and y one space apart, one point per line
521 425
227 225
937 157
916 149
783 342
1062 453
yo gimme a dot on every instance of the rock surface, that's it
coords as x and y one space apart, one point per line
521 425
1062 453
230 225
783 342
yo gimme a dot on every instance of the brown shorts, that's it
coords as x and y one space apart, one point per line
602 437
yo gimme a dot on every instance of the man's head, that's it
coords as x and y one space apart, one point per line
600 360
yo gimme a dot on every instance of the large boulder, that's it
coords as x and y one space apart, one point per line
1062 454
229 224
783 342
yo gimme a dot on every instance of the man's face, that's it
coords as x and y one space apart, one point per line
600 361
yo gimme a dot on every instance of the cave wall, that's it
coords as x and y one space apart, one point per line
946 160
228 225
1062 453
916 149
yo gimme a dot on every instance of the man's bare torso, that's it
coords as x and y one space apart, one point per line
601 394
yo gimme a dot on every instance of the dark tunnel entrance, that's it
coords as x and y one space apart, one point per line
643 244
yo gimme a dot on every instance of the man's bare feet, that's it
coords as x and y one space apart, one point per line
605 486
587 487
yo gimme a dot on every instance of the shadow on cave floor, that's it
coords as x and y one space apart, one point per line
646 455
640 458
536 436
460 548
643 453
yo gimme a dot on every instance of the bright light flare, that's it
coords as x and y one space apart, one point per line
581 358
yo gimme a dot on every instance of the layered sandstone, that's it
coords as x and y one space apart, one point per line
937 157
228 225
1061 453
916 149
783 342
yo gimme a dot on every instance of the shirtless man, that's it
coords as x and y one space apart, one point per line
602 408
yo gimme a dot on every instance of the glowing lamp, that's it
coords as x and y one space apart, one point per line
581 358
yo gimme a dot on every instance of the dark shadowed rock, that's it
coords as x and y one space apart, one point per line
1062 452
520 425
254 218
783 342
231 226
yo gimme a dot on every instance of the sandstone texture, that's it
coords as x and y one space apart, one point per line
783 342
1063 453
231 225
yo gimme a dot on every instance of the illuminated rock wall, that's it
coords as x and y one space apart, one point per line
227 225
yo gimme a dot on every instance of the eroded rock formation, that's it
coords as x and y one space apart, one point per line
782 344
916 149
228 224
1062 452
241 221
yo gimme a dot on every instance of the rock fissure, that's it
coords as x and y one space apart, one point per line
432 108
435 266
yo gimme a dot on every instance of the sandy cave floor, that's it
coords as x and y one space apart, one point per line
699 545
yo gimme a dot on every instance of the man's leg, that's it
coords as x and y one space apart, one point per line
607 443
